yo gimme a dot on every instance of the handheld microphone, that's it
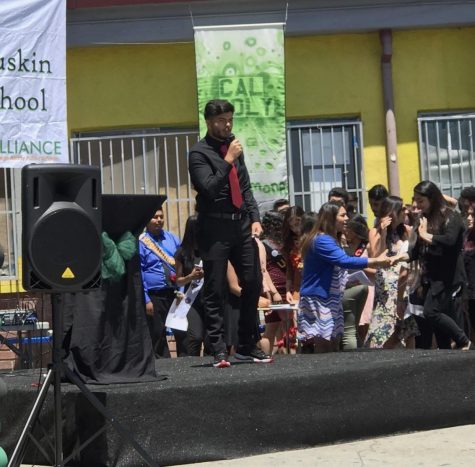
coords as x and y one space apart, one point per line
229 139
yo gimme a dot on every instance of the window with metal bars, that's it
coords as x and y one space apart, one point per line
323 155
446 150
148 161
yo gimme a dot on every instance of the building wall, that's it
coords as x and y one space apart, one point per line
339 76
131 86
331 76
433 70
327 76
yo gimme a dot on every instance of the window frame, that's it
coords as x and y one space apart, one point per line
450 187
357 158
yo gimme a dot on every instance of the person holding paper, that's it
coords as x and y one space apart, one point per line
320 318
189 273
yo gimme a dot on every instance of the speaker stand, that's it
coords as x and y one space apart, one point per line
54 377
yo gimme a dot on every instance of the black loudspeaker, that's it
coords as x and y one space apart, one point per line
61 216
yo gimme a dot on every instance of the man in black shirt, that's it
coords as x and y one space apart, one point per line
228 219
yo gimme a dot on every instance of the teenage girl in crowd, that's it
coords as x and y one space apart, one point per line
291 251
357 299
388 327
320 318
272 222
437 243
188 271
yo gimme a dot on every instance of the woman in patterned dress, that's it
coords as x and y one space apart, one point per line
388 328
320 318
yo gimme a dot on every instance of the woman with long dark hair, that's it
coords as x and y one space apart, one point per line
291 251
189 272
437 242
388 327
276 266
320 319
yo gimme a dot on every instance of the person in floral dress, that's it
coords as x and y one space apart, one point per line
388 329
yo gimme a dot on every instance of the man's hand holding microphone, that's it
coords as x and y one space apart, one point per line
234 150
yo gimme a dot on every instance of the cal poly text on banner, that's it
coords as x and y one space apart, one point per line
245 65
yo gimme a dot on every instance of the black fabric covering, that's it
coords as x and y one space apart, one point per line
106 337
201 413
128 212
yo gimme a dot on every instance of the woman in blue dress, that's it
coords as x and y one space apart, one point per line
320 319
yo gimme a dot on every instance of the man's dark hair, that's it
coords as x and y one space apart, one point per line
279 203
339 192
468 193
357 224
378 192
308 221
217 107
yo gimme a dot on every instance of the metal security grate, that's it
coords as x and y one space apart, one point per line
446 149
143 163
323 155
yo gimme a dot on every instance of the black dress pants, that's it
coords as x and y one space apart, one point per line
196 335
162 301
443 311
221 240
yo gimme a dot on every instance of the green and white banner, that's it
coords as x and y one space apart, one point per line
32 82
245 65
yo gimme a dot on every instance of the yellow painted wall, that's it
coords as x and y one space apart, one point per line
131 86
155 85
433 70
326 76
339 76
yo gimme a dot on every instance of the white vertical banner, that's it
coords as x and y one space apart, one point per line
32 82
244 64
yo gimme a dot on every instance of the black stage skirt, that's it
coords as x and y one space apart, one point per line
106 339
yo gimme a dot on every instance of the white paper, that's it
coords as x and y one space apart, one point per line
175 321
176 318
360 277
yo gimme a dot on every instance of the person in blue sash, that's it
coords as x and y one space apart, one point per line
157 248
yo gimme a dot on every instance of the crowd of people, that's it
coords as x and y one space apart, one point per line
413 254
324 281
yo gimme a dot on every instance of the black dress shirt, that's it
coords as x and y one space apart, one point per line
442 259
209 173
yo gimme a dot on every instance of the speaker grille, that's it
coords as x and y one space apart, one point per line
65 248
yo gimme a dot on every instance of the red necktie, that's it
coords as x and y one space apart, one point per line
236 196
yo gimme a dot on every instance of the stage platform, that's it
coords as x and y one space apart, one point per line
200 413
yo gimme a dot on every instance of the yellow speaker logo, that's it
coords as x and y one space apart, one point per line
68 274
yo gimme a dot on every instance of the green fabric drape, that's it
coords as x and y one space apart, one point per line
115 255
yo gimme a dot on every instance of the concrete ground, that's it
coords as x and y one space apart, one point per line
437 448
448 447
